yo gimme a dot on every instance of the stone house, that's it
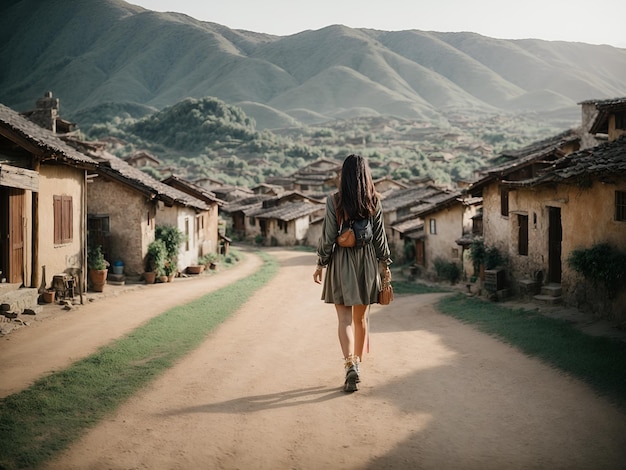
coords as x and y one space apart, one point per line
43 206
224 192
560 195
514 166
319 177
206 233
284 220
447 221
387 183
400 208
239 211
141 158
576 203
126 205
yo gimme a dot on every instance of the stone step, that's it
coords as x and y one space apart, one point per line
8 287
20 299
528 287
552 289
548 299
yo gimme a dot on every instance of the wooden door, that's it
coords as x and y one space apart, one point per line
15 242
555 237
420 253
4 231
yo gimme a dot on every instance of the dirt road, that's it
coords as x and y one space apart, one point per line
264 392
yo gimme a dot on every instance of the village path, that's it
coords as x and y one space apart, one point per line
264 391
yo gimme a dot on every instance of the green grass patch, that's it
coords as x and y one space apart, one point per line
44 419
598 361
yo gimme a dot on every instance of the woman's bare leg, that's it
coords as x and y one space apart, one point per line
345 330
360 329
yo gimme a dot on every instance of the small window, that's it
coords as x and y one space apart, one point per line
504 202
63 219
522 241
433 226
620 205
251 221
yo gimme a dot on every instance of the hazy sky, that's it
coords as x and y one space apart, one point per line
593 22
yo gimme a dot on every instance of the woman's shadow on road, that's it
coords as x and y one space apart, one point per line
269 401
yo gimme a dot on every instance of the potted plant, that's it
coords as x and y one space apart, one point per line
170 270
97 268
155 261
210 260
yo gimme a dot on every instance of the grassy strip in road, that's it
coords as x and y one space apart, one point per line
598 361
44 419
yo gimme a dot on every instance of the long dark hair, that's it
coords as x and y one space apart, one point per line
357 195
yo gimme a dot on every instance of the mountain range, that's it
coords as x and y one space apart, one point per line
109 54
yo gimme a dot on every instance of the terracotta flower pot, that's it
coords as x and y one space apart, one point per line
195 269
48 296
98 278
149 277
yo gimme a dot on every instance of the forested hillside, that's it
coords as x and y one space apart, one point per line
108 51
208 137
209 100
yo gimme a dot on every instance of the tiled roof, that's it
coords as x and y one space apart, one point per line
438 202
534 151
119 170
543 152
246 204
288 211
604 160
193 189
408 225
401 198
607 103
50 145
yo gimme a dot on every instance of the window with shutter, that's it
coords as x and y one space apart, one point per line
522 242
504 202
63 219
620 205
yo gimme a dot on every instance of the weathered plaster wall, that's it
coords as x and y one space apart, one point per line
59 180
449 223
587 219
314 233
496 229
185 219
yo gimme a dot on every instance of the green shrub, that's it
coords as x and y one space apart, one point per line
156 257
447 270
480 253
95 258
172 237
602 265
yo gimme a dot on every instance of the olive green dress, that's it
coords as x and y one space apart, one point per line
352 274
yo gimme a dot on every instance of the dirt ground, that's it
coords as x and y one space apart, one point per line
264 390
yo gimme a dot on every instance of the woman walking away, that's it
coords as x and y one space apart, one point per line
353 275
